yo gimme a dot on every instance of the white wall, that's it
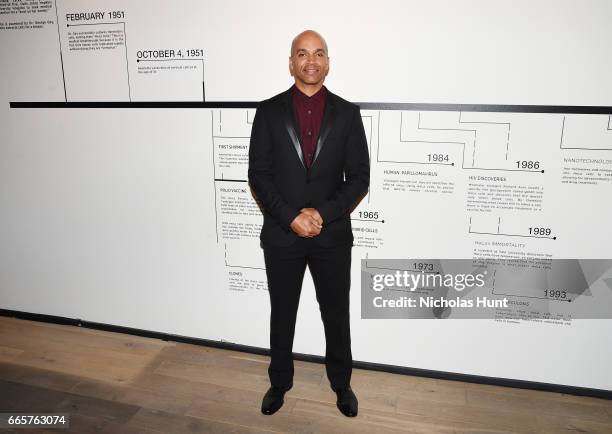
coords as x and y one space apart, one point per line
112 214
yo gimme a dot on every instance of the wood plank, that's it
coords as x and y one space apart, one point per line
115 383
127 394
9 352
79 336
115 412
219 375
468 417
38 377
171 423
28 342
549 424
532 406
327 418
16 397
243 363
250 416
101 367
410 423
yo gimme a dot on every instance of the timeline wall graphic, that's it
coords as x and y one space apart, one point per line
124 184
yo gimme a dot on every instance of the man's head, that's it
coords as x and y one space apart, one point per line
309 60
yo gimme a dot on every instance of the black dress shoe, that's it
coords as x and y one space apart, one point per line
347 401
273 399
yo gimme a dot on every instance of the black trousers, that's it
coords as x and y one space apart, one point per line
331 273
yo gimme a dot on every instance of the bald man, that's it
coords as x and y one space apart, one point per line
308 168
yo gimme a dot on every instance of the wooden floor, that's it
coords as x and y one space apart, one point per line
116 383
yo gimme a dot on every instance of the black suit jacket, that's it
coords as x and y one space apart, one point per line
337 179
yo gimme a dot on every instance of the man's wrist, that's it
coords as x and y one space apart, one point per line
292 219
314 213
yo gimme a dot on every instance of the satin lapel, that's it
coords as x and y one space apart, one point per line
329 115
290 125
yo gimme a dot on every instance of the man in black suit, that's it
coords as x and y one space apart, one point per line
308 168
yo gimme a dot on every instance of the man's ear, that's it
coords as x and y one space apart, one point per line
290 66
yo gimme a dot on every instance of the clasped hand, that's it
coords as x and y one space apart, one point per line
308 223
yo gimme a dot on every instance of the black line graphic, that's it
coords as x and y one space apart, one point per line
583 148
127 63
402 140
605 110
523 296
127 66
182 60
237 266
489 123
470 231
511 235
401 269
212 125
463 166
59 40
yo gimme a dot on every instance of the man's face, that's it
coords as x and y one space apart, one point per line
309 63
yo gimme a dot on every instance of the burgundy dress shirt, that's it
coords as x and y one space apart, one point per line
308 111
